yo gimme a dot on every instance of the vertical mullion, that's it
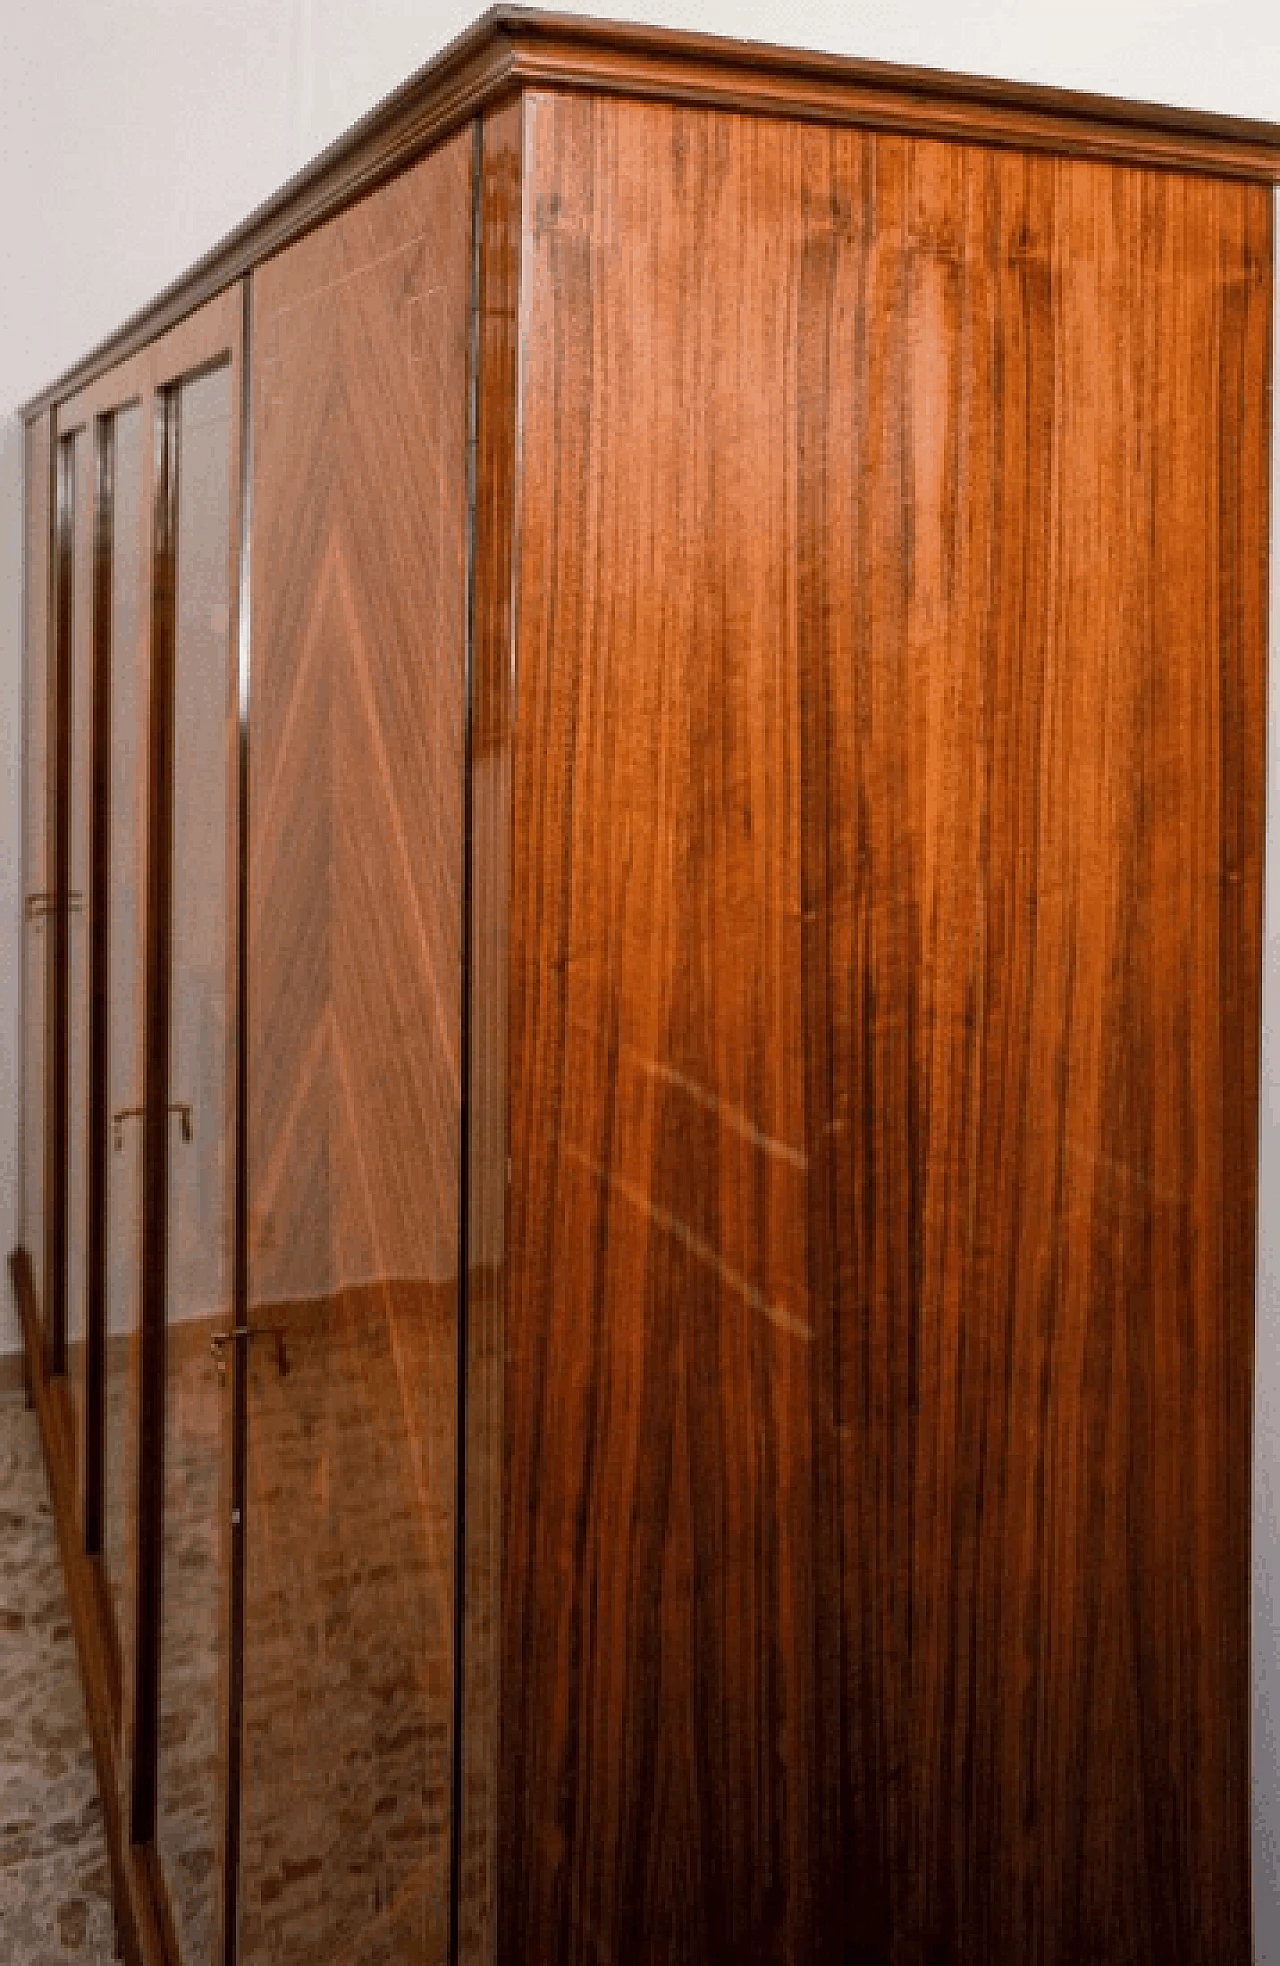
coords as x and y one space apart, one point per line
155 1163
99 902
464 1068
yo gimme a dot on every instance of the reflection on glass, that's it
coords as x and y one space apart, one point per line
126 822
191 1641
80 792
354 1113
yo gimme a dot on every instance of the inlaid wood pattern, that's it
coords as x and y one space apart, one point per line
884 1032
359 625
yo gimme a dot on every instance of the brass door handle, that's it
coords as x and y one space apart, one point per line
177 1106
37 906
221 1339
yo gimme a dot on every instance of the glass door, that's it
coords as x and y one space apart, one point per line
183 1719
78 447
356 887
118 922
102 797
198 416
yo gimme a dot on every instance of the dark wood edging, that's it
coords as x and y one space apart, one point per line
512 48
138 1905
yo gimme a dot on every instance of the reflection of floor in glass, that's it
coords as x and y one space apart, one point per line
55 1888
192 1635
345 1838
120 1493
348 1660
349 1643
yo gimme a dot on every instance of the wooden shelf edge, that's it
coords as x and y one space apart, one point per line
511 48
139 1917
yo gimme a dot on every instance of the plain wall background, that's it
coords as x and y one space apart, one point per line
134 135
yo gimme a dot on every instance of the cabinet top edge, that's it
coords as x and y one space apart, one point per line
515 48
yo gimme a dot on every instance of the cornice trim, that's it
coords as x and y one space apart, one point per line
513 48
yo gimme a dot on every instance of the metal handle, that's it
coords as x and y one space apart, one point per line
177 1106
37 906
221 1339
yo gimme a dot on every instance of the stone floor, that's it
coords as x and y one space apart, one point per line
55 1895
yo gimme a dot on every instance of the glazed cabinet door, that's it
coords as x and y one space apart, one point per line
99 648
183 1720
189 1073
140 764
36 873
360 340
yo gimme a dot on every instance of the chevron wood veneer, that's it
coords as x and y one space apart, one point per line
721 1170
361 338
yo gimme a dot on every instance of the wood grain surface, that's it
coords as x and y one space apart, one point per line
665 1794
514 48
885 947
497 332
361 340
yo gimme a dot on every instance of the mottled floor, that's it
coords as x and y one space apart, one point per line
55 1896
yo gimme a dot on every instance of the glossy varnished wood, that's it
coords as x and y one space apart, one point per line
665 1794
496 332
1034 449
361 337
512 48
884 1025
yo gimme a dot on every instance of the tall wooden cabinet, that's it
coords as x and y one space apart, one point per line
643 844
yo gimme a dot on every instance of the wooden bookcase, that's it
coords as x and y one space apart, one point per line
643 855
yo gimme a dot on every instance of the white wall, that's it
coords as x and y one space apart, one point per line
132 136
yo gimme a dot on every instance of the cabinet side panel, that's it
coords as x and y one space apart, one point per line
361 336
661 1796
492 685
884 1035
35 819
1035 645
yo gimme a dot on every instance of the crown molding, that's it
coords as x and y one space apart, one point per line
513 48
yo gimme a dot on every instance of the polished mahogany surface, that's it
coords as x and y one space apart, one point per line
489 828
662 1729
360 357
754 739
884 1028
514 48
1035 442
35 829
